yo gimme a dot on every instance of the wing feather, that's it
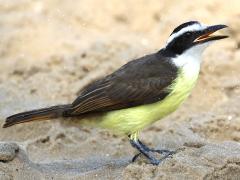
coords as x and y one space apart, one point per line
142 81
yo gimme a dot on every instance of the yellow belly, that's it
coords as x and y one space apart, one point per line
131 120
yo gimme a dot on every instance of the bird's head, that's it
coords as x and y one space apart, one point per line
193 35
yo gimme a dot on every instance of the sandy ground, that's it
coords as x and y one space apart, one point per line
50 49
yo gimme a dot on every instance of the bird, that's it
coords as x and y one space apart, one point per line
142 91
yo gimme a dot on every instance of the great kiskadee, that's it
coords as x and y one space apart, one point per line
140 92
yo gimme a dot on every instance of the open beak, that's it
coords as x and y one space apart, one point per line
208 34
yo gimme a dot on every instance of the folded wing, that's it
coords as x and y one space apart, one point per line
142 81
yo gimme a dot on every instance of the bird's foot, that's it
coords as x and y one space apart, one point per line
159 151
155 161
147 152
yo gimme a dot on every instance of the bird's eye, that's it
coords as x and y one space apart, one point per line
188 33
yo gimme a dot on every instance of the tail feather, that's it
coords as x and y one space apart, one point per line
37 115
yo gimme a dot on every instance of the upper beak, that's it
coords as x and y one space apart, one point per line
207 34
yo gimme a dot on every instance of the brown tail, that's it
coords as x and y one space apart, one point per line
37 115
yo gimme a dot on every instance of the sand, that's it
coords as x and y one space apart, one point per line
50 49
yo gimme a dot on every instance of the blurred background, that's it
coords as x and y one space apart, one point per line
50 49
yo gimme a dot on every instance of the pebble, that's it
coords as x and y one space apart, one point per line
8 151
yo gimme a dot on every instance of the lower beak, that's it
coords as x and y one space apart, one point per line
207 34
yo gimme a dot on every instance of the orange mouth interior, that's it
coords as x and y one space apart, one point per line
204 37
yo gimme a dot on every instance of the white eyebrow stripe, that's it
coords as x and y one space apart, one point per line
193 27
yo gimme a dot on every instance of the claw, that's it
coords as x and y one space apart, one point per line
135 157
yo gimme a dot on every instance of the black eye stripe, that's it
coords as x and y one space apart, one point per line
182 42
185 39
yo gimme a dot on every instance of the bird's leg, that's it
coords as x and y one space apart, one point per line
146 151
143 151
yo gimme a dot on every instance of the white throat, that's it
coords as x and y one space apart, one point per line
190 60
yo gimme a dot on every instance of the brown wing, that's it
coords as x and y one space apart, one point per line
142 81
